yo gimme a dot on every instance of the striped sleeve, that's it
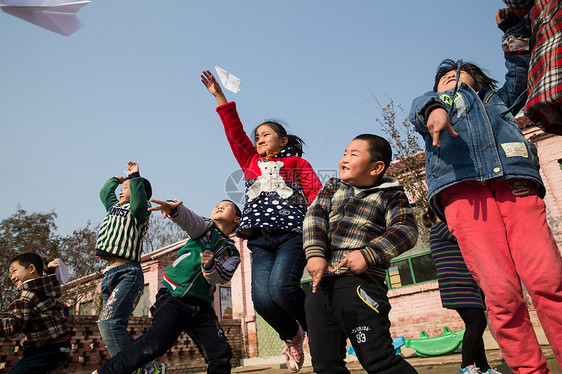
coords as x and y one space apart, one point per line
221 272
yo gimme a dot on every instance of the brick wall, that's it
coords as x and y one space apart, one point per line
88 349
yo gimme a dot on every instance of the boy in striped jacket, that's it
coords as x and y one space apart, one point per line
208 257
120 244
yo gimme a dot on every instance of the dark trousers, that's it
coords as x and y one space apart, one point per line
473 352
354 307
42 360
172 316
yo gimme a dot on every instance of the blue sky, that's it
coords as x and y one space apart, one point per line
126 87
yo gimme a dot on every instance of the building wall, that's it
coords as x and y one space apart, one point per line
88 349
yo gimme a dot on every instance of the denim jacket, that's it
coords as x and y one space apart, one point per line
490 144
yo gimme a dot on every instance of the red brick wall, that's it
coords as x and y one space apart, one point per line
88 349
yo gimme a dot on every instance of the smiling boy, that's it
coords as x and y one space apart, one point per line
356 225
36 313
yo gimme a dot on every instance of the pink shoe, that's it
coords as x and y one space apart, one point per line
293 352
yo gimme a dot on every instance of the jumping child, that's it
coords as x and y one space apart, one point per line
279 187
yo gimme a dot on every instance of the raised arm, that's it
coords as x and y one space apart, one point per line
515 44
139 201
107 192
210 82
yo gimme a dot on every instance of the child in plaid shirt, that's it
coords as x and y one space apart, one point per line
351 231
37 315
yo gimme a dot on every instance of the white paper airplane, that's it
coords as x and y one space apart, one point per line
54 15
229 81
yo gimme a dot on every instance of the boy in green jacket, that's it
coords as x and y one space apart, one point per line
185 303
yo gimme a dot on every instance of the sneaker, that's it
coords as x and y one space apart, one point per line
470 369
155 369
491 371
293 352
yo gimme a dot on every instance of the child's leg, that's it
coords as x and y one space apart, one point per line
209 336
42 360
473 352
170 317
121 289
361 308
475 219
326 339
539 265
278 299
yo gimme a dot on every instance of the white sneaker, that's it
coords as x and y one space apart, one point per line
293 352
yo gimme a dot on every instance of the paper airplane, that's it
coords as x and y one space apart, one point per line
229 81
54 15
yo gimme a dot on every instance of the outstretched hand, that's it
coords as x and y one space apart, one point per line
438 121
210 82
166 207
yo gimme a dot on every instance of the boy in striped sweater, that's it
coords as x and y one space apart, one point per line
120 244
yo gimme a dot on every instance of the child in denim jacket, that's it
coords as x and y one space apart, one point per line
483 179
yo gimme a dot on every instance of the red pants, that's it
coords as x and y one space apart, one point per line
503 236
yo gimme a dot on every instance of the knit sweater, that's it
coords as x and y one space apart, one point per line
124 226
377 221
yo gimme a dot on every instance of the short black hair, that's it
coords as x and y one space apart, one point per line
481 80
236 208
379 148
26 259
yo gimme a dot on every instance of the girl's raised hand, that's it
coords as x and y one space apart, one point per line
166 207
210 82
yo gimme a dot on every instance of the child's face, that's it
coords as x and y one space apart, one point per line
225 212
125 193
447 82
267 141
19 273
356 167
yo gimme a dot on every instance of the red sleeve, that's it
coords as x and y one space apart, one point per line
309 181
241 145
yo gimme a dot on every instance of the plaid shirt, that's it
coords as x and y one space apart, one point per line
378 221
544 101
35 313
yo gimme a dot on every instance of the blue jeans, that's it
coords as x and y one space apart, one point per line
170 317
278 262
42 360
121 289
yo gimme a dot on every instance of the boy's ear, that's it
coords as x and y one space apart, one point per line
237 220
32 269
378 168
